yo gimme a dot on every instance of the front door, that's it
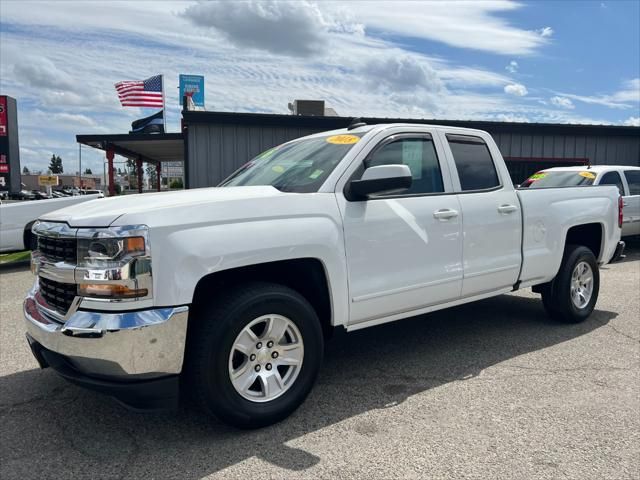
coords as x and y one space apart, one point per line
404 251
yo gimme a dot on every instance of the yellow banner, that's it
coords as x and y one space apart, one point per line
47 180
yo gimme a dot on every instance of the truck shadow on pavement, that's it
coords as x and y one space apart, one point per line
52 429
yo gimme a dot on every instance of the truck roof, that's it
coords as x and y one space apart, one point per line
384 126
593 168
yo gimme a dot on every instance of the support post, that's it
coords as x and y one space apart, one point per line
139 173
159 174
112 183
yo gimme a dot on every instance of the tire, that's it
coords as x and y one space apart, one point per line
220 328
567 298
30 240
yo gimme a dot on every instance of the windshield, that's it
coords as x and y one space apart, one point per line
300 166
559 179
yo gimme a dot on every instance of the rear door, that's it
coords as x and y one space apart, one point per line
491 216
631 208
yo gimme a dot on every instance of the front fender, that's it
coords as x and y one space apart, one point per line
188 254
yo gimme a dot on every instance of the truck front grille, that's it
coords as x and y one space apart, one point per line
58 295
58 249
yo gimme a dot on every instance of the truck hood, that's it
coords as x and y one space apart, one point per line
105 211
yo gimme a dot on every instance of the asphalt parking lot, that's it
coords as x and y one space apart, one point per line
490 390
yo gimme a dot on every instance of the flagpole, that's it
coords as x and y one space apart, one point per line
164 107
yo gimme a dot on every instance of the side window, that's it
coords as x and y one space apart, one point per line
476 169
419 154
613 178
633 179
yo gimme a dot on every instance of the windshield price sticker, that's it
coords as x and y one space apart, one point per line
343 139
587 175
537 176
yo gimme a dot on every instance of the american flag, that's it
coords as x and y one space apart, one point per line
141 93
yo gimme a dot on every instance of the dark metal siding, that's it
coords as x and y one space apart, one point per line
217 149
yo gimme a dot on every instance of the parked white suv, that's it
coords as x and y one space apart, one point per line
626 178
234 290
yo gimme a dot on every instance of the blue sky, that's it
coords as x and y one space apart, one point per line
543 61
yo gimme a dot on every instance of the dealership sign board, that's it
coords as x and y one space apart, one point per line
9 151
3 116
193 86
47 180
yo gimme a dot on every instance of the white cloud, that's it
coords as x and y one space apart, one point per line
545 32
474 25
401 73
40 72
623 98
512 67
359 64
516 89
562 102
296 28
632 122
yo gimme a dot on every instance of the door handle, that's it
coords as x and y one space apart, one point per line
445 214
507 208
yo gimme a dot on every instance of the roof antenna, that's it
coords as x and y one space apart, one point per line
355 123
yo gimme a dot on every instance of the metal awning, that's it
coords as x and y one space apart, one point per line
153 148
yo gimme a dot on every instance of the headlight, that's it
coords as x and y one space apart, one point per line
109 252
114 263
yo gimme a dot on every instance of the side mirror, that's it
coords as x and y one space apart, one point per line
382 179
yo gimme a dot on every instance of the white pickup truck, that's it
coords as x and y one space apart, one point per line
232 291
17 218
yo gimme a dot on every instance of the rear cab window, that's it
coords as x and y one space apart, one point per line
613 178
633 180
553 179
476 169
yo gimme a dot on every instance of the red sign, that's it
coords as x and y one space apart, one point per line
4 168
3 116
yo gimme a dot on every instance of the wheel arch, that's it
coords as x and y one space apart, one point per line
307 276
590 235
27 235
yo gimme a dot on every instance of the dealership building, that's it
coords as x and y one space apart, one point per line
214 144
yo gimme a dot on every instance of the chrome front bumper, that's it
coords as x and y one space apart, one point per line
119 345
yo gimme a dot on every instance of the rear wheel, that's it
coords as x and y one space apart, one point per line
572 295
254 357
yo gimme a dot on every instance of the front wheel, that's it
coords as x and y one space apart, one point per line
254 357
572 295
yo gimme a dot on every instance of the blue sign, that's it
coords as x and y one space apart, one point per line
192 85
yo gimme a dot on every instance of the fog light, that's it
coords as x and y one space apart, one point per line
101 290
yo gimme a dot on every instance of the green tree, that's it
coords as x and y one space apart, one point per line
177 183
87 171
55 165
25 170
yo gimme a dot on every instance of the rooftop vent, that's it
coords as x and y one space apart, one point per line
313 108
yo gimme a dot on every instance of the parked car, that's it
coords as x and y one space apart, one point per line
22 195
234 290
17 218
92 192
626 178
38 195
